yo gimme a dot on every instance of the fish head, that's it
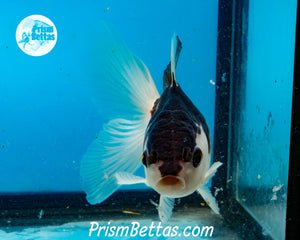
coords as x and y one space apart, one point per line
181 172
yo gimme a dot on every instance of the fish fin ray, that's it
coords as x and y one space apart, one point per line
165 208
167 77
118 148
210 200
176 47
125 178
120 82
169 73
212 171
124 91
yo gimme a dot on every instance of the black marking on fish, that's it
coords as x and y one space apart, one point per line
187 154
174 126
172 131
170 168
197 157
154 106
144 158
152 158
148 160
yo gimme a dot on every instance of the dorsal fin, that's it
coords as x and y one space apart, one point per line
169 73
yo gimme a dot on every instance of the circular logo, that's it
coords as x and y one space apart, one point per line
36 35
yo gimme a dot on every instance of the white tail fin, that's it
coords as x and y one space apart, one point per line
125 92
120 82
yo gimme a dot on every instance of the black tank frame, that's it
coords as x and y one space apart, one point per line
231 56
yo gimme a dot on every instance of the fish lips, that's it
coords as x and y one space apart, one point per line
170 185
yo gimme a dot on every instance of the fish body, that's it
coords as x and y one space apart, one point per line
177 145
166 134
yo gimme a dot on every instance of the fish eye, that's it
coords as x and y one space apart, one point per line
152 158
147 160
144 158
186 154
197 156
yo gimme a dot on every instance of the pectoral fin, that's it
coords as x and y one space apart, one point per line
209 198
211 171
125 178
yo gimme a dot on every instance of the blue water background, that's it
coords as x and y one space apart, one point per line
47 118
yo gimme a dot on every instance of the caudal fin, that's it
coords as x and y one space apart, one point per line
120 83
124 92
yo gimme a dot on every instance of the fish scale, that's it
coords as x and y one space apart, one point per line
168 134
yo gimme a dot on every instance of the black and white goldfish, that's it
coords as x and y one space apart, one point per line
167 133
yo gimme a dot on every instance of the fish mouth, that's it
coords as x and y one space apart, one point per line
170 184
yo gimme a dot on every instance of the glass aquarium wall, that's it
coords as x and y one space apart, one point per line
263 141
236 66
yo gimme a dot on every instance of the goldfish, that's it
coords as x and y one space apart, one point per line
166 133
